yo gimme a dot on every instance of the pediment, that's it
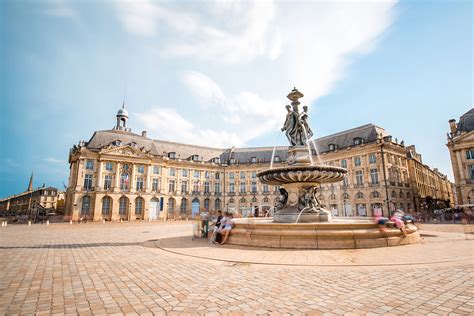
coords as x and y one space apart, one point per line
465 137
126 150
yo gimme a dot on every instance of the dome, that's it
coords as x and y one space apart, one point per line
122 112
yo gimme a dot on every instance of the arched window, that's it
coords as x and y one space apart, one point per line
254 200
218 205
171 205
106 204
394 194
184 205
359 195
401 194
408 195
231 201
345 196
124 181
86 205
123 205
206 205
243 200
139 205
375 194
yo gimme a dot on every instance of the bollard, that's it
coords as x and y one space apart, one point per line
29 223
103 221
6 223
3 223
70 222
47 223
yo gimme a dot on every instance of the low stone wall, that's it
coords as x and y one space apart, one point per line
340 235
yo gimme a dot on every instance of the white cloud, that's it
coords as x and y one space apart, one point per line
274 46
59 8
54 160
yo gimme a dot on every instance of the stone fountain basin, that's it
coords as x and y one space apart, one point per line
307 174
345 233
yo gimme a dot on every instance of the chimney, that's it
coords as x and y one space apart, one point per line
144 133
453 126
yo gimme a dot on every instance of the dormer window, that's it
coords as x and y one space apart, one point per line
276 159
332 147
253 160
358 141
172 155
195 158
217 160
232 160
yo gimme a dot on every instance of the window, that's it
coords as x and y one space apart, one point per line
254 174
231 176
471 172
243 200
196 186
359 178
106 202
197 173
358 141
124 181
184 205
140 168
242 187
172 172
123 205
265 199
359 195
108 166
89 164
184 186
357 161
372 159
232 161
207 174
217 187
138 206
139 184
276 159
171 185
206 205
374 176
332 147
88 182
107 182
242 174
265 188
217 204
125 167
155 185
195 158
408 195
375 194
217 176
254 187
171 204
86 205
172 155
394 194
332 197
231 187
470 154
344 163
156 169
253 160
206 187
345 182
217 160
184 173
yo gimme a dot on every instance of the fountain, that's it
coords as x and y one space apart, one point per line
299 220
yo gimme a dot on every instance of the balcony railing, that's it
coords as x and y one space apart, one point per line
217 193
266 192
196 193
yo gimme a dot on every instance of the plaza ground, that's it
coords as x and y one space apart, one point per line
155 268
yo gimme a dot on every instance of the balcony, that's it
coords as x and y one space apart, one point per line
392 183
359 185
231 193
266 192
217 193
196 193
242 193
375 184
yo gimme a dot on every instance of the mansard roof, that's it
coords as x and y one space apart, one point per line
100 139
466 121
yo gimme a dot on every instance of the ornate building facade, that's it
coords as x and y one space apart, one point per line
461 150
120 175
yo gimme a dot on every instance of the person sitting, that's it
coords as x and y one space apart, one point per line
397 218
212 238
229 224
381 221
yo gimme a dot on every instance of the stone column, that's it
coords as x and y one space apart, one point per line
79 172
97 207
117 178
132 179
148 179
99 176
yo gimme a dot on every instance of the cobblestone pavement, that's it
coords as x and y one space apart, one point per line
105 269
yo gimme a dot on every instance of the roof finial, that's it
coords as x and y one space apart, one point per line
124 91
30 185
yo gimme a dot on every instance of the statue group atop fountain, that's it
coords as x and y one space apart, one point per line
296 125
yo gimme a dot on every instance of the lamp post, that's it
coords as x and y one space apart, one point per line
224 188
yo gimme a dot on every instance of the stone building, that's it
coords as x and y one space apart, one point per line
461 149
120 175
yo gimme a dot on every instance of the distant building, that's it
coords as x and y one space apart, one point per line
461 149
120 175
31 202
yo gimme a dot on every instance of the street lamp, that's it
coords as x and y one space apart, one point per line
224 188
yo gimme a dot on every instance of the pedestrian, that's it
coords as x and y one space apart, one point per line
229 224
216 227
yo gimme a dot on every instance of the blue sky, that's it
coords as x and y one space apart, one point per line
217 73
